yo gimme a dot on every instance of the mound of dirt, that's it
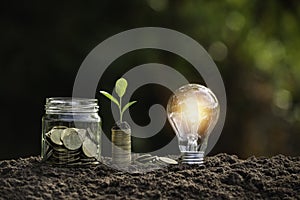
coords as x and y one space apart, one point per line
223 177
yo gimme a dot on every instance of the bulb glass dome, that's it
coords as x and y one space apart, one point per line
193 111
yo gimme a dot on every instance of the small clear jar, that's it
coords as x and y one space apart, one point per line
71 132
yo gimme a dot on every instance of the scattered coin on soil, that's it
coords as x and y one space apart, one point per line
168 160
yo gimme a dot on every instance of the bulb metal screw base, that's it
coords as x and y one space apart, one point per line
193 157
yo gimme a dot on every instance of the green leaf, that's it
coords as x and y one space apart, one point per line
121 86
113 99
127 106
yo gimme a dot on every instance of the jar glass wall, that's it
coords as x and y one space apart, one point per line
71 132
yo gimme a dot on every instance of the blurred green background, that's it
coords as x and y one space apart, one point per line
254 43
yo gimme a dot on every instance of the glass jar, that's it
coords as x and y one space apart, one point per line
71 132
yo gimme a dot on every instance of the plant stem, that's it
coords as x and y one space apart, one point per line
120 109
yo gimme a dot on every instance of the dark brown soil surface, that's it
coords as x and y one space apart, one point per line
223 177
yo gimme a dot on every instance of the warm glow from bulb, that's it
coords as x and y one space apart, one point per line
190 110
193 111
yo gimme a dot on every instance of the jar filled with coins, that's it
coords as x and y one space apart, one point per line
71 132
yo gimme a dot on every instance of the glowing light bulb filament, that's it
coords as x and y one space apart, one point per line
190 110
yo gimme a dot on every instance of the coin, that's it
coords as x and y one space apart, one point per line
48 134
59 127
71 139
121 157
87 159
48 141
167 160
65 132
66 158
60 149
64 144
48 154
81 133
89 148
148 159
75 164
121 147
55 136
143 157
66 153
83 163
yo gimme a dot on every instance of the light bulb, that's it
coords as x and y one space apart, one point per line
193 111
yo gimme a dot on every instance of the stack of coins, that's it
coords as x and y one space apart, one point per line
121 147
71 146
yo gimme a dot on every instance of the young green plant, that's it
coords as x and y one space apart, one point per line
120 88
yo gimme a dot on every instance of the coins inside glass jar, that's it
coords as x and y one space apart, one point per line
71 139
89 148
71 146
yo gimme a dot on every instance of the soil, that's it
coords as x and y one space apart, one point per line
223 177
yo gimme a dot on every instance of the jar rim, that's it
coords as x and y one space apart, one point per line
71 105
